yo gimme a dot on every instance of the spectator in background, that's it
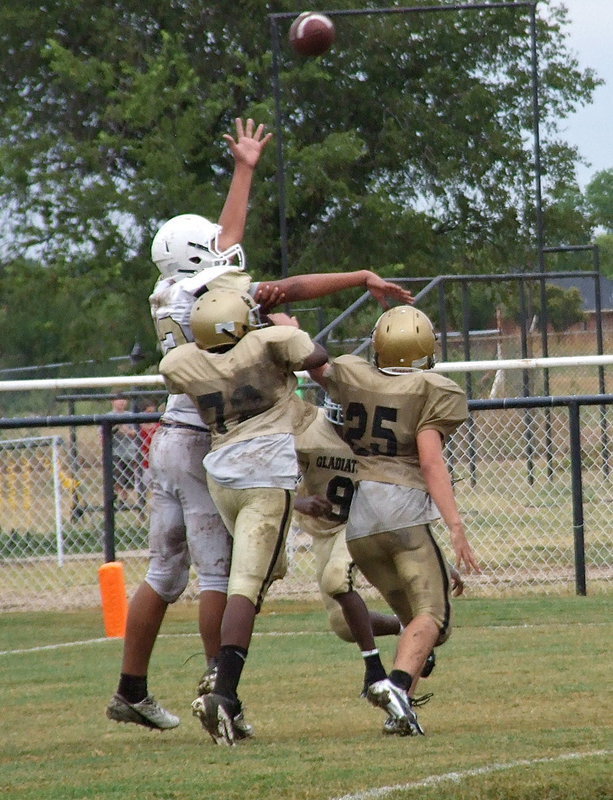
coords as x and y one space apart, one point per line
126 453
145 435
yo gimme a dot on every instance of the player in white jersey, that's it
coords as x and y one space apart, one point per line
193 256
185 527
397 414
240 376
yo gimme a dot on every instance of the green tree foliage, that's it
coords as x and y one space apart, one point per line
407 148
564 306
605 246
599 194
41 320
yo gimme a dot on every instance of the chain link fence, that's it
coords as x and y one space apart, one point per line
514 471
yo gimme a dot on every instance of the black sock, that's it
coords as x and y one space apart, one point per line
132 687
401 678
375 671
230 665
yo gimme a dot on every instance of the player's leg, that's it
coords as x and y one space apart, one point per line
145 616
258 520
132 701
427 599
210 547
335 574
260 531
166 580
374 557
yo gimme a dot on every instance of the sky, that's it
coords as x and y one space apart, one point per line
590 129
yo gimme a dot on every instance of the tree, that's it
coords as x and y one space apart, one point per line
605 246
599 194
564 306
407 146
46 318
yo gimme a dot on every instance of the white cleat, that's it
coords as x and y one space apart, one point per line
147 712
402 720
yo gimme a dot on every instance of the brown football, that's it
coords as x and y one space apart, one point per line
311 34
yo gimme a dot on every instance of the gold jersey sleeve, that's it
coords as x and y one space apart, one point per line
384 413
327 468
247 391
303 413
232 281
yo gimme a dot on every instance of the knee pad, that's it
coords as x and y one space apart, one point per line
212 583
169 585
338 624
336 578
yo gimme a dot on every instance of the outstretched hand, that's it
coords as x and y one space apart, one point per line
281 318
250 142
268 295
381 290
464 555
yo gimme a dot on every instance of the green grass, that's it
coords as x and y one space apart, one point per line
521 711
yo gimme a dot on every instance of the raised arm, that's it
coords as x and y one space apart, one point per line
309 287
247 148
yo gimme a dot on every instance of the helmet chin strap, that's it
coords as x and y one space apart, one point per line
231 335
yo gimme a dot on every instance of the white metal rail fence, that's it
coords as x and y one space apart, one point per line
532 477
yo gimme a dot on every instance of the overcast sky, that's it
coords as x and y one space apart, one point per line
591 128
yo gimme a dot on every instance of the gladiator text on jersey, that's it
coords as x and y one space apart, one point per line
337 463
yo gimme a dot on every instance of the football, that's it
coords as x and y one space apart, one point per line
311 34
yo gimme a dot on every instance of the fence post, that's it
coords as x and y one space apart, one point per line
577 491
57 499
108 491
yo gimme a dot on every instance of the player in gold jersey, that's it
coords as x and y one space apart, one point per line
326 486
240 376
325 489
194 255
397 414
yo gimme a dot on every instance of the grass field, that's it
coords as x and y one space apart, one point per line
521 711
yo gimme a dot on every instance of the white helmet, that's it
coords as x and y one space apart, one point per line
189 243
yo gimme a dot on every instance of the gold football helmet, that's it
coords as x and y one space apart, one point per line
220 318
403 340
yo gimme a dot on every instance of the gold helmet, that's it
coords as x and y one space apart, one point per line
220 318
403 340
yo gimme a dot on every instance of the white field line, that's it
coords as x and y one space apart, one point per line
57 646
457 777
369 794
161 636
